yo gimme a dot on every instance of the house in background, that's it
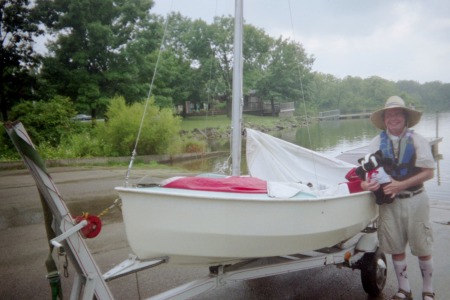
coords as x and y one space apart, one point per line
252 105
256 106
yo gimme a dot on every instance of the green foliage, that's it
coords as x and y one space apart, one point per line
46 121
192 122
90 60
355 94
81 141
287 71
194 146
84 144
159 134
430 96
106 48
7 150
18 28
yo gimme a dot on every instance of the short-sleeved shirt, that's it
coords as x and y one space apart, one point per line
407 220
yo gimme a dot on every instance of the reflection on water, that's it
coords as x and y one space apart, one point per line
335 137
216 164
332 137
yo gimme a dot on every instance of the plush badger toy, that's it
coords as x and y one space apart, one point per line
372 168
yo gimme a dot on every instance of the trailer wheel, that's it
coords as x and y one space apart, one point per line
374 272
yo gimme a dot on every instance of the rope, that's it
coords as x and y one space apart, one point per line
94 223
106 210
211 67
133 154
303 94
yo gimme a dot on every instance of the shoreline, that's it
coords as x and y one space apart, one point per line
207 133
111 162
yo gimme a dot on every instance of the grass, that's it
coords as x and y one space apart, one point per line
223 122
218 121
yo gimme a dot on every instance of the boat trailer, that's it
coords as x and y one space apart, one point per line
360 252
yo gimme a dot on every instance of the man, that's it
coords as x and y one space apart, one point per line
406 219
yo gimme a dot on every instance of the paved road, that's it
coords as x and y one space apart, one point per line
23 248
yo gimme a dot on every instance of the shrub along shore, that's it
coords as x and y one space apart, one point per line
199 130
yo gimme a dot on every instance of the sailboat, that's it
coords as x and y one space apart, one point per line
293 200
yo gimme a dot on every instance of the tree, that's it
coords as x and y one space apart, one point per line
430 96
209 50
177 79
288 71
90 59
18 58
377 90
195 42
325 92
257 49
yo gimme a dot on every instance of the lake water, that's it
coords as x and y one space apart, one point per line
335 137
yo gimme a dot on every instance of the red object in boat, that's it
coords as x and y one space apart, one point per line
232 184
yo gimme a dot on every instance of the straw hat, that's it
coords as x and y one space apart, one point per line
412 116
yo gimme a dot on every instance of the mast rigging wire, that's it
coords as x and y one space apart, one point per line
303 93
134 152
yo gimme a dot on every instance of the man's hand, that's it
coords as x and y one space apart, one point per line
394 187
370 186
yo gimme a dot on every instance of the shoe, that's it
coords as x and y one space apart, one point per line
407 295
430 295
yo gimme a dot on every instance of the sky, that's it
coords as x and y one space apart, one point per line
392 39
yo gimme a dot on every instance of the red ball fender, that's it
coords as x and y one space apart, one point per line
93 227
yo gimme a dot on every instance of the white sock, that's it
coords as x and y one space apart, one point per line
426 267
400 268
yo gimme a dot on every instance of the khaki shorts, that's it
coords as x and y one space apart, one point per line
406 220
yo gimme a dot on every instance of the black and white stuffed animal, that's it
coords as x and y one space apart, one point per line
372 168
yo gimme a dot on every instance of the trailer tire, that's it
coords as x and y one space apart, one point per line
374 272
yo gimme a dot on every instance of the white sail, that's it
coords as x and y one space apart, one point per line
273 159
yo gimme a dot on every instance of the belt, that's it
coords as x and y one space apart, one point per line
409 194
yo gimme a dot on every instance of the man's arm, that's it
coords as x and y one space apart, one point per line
396 187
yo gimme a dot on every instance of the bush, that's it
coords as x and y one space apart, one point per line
194 146
46 121
7 150
84 144
159 134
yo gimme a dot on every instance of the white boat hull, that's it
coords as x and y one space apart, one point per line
208 228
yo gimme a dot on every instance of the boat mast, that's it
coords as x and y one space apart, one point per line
236 113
